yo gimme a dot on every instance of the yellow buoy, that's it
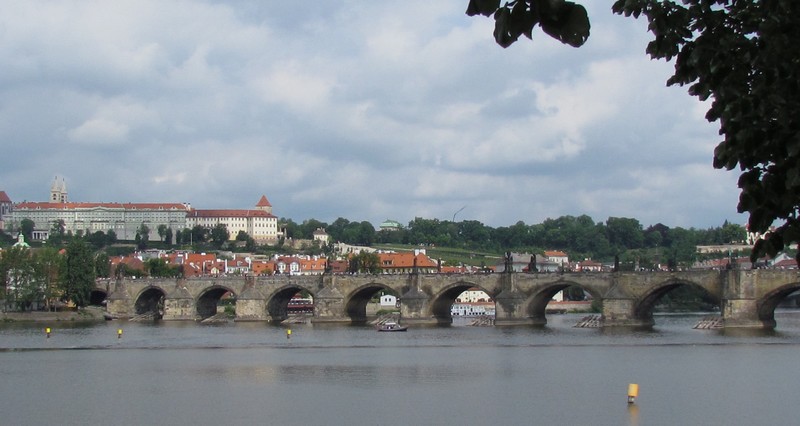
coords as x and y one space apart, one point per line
47 331
119 333
633 392
288 334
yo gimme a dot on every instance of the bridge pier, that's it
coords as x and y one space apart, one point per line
740 308
415 305
118 303
329 304
179 305
510 304
743 313
622 313
251 306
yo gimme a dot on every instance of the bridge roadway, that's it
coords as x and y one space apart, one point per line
747 298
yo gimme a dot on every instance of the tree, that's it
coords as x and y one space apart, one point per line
111 237
624 233
162 231
219 235
142 236
58 233
563 20
77 278
742 56
20 286
168 236
198 234
102 265
98 239
160 268
49 263
364 262
26 228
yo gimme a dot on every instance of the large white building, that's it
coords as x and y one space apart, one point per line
122 218
126 218
260 224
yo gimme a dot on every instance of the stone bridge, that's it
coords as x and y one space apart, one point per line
747 298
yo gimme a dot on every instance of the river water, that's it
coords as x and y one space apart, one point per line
177 373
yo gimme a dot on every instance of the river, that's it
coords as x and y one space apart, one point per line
177 373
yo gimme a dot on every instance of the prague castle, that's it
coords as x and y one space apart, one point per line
126 218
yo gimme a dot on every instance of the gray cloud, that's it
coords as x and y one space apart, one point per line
346 109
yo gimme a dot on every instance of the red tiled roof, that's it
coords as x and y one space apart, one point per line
4 197
229 213
786 263
263 202
45 205
405 260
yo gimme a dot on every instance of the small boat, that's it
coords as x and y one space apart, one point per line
391 326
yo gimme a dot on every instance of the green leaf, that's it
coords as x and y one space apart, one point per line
482 7
568 24
502 32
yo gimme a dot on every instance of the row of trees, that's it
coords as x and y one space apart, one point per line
46 276
579 236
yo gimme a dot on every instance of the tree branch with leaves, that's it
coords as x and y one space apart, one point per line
740 54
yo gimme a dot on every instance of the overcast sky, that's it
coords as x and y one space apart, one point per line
367 110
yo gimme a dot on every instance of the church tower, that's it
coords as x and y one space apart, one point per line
58 191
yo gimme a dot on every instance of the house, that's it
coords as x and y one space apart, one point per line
588 265
289 265
388 301
406 263
339 266
321 236
473 295
313 265
199 264
132 264
262 267
237 266
519 262
390 225
558 257
785 264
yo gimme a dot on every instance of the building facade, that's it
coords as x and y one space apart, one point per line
259 223
125 219
5 209
88 218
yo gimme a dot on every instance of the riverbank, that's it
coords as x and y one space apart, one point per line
90 313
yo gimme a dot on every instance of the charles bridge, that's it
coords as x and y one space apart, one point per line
747 298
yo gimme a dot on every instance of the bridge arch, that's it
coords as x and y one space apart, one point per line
209 299
442 302
356 302
278 304
643 309
537 304
767 304
98 297
150 301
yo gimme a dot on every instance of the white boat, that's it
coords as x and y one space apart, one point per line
391 326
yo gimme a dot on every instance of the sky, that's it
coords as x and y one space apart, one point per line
362 110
